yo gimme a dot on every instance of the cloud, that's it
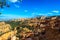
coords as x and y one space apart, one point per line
55 11
9 16
25 10
13 1
43 14
33 13
2 16
17 6
50 13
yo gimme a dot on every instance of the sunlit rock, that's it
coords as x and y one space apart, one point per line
43 17
54 18
42 25
13 38
4 27
2 23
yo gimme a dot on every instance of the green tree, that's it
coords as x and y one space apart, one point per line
0 13
3 3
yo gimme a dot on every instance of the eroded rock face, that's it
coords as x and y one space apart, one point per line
4 27
13 38
54 18
43 29
43 17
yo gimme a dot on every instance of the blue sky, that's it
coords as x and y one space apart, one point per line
30 8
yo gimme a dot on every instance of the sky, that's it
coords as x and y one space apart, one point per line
30 8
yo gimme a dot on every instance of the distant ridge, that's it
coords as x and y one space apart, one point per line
37 16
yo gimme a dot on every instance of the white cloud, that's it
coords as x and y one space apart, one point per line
10 16
43 14
17 6
55 11
25 10
49 13
33 13
13 1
